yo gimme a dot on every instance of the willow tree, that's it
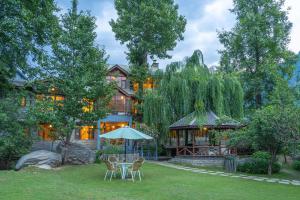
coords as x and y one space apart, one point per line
233 97
149 28
215 95
188 86
156 113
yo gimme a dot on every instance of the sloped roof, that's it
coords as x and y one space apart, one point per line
124 68
208 119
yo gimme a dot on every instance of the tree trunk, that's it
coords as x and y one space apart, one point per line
258 100
271 161
285 158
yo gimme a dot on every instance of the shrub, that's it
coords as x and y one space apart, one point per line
261 155
296 165
258 166
98 155
113 149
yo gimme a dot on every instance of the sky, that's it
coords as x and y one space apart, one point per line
204 18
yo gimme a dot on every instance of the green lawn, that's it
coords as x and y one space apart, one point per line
86 182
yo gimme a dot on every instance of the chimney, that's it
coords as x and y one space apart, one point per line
154 66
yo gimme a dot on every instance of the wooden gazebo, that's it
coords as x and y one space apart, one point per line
193 135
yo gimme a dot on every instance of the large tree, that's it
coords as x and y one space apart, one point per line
14 142
186 87
257 47
148 28
78 72
26 27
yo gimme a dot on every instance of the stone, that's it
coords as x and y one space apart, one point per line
38 158
284 182
44 166
76 154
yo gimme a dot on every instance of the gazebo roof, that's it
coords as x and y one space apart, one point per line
208 119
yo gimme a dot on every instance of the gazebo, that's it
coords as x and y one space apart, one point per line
195 135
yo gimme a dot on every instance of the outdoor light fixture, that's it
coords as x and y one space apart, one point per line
50 125
205 129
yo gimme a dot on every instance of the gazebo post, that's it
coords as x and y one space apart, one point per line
193 137
142 150
220 151
156 149
177 135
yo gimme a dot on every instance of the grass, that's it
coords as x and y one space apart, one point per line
86 182
286 172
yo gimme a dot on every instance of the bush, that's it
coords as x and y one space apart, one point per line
258 166
261 155
98 155
113 149
296 165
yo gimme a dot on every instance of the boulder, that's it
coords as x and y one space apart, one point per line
39 158
76 154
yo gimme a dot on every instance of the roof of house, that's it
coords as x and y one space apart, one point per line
124 68
208 119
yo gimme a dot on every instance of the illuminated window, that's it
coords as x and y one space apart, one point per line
45 131
87 133
23 102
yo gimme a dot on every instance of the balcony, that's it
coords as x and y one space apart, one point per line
121 107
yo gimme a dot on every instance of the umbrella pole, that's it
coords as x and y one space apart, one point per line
125 149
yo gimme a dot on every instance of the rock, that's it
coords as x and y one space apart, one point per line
44 166
38 158
77 154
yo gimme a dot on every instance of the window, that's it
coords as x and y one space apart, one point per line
23 102
123 84
86 133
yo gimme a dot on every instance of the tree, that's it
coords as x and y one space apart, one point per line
257 47
273 128
14 142
26 27
78 73
148 28
188 87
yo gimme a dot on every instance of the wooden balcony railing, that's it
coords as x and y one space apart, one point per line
121 106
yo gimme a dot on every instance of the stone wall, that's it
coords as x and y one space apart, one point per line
199 161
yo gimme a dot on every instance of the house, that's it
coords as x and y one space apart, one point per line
122 109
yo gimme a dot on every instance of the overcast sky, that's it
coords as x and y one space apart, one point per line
204 18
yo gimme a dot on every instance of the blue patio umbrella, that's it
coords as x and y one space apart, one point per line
126 133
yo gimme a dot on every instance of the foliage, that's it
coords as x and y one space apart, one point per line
14 142
98 155
258 166
257 48
148 27
113 149
25 29
186 87
261 155
77 72
233 94
296 165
